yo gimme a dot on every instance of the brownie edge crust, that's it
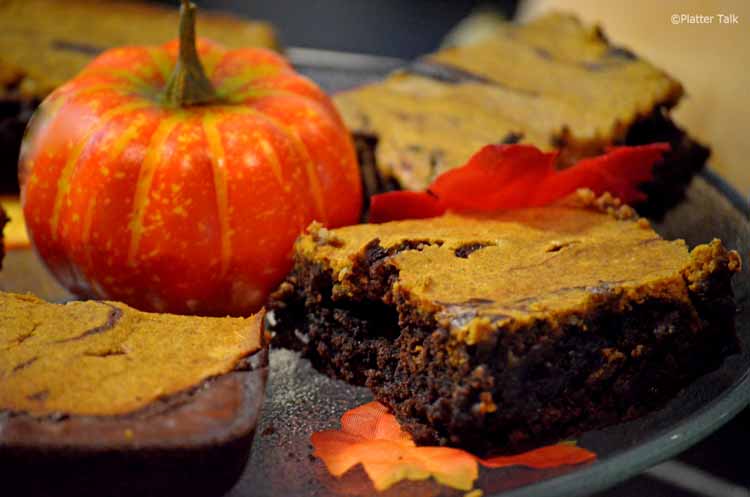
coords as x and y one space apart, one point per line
490 371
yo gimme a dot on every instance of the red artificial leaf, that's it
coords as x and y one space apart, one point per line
393 206
516 176
550 456
496 177
620 171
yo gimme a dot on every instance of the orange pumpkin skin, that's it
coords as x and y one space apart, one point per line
183 209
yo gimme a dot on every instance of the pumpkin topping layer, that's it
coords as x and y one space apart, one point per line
104 358
510 263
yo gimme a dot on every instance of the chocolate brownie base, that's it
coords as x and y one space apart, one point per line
673 175
195 442
519 386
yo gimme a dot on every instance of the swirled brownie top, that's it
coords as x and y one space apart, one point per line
477 274
567 60
104 358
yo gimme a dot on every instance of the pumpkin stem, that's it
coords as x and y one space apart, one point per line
188 84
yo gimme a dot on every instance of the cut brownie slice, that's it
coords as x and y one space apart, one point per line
510 330
553 83
101 399
44 43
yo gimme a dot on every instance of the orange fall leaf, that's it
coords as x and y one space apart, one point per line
372 437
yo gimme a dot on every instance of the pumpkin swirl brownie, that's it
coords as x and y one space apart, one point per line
102 399
554 83
513 329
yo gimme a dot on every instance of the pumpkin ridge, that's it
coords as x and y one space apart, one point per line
63 184
268 150
118 147
217 158
88 218
58 97
229 85
161 61
251 93
273 159
211 60
312 175
229 76
145 178
127 77
325 112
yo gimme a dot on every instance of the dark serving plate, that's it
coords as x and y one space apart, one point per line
301 401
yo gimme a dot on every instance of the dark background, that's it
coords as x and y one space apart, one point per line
406 29
397 28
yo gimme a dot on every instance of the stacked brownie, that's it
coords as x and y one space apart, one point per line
554 83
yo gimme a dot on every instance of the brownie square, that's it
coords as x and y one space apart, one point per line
508 331
554 83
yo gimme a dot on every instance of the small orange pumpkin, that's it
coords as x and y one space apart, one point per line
151 180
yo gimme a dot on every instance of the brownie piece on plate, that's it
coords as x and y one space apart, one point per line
554 83
99 399
44 43
510 330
